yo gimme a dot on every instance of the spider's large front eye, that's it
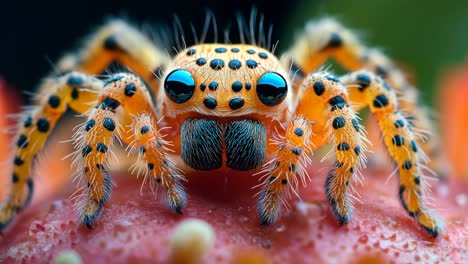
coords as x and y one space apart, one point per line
179 86
271 88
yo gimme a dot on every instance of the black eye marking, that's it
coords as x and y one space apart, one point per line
271 88
263 55
251 51
235 50
179 86
217 64
200 61
236 86
220 50
236 103
202 87
190 52
248 86
213 86
210 103
252 64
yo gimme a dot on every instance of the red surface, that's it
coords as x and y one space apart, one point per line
135 228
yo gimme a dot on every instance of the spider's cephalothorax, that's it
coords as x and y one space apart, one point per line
229 107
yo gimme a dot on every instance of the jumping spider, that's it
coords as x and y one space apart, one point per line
230 107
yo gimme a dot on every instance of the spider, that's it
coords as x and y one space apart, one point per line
230 107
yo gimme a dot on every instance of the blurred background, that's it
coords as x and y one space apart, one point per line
424 36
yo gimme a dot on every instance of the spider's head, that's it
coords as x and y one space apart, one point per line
222 80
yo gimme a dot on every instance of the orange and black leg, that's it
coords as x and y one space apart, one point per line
123 98
333 118
327 38
75 90
400 141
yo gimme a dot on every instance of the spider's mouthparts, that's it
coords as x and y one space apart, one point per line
204 142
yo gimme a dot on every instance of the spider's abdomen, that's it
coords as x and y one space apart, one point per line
207 144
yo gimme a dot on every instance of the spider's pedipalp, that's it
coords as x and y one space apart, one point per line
400 141
75 90
327 38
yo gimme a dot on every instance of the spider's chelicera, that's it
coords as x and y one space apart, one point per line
230 107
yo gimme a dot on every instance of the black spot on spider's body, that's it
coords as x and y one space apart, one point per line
100 166
355 124
357 150
399 123
407 165
363 81
299 131
150 166
398 140
277 163
380 101
284 181
213 86
217 64
248 86
251 51
381 71
101 147
296 151
292 167
251 64
236 86
351 170
75 80
338 122
236 103
22 141
414 146
200 61
28 122
42 125
220 50
245 144
202 87
18 161
191 52
319 88
335 41
89 124
339 164
130 89
337 102
235 50
210 102
144 130
417 180
86 150
343 146
109 103
234 64
74 93
142 149
111 43
114 78
263 55
54 101
109 124
14 178
332 78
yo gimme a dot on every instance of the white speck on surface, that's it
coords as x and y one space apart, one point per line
67 257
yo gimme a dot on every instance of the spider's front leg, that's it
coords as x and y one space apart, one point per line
75 90
324 102
367 89
125 101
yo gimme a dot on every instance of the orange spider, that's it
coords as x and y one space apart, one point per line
229 108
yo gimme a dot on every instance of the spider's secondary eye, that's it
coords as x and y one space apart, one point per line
271 88
179 86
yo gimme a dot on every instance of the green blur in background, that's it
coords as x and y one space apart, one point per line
429 37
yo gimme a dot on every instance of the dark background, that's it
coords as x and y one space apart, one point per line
425 36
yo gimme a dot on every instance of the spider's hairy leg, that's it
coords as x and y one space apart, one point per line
292 152
327 38
338 124
123 98
76 90
400 141
117 41
153 150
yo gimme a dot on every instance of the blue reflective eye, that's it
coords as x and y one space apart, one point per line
179 86
271 88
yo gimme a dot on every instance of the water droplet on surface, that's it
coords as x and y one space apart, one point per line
280 228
